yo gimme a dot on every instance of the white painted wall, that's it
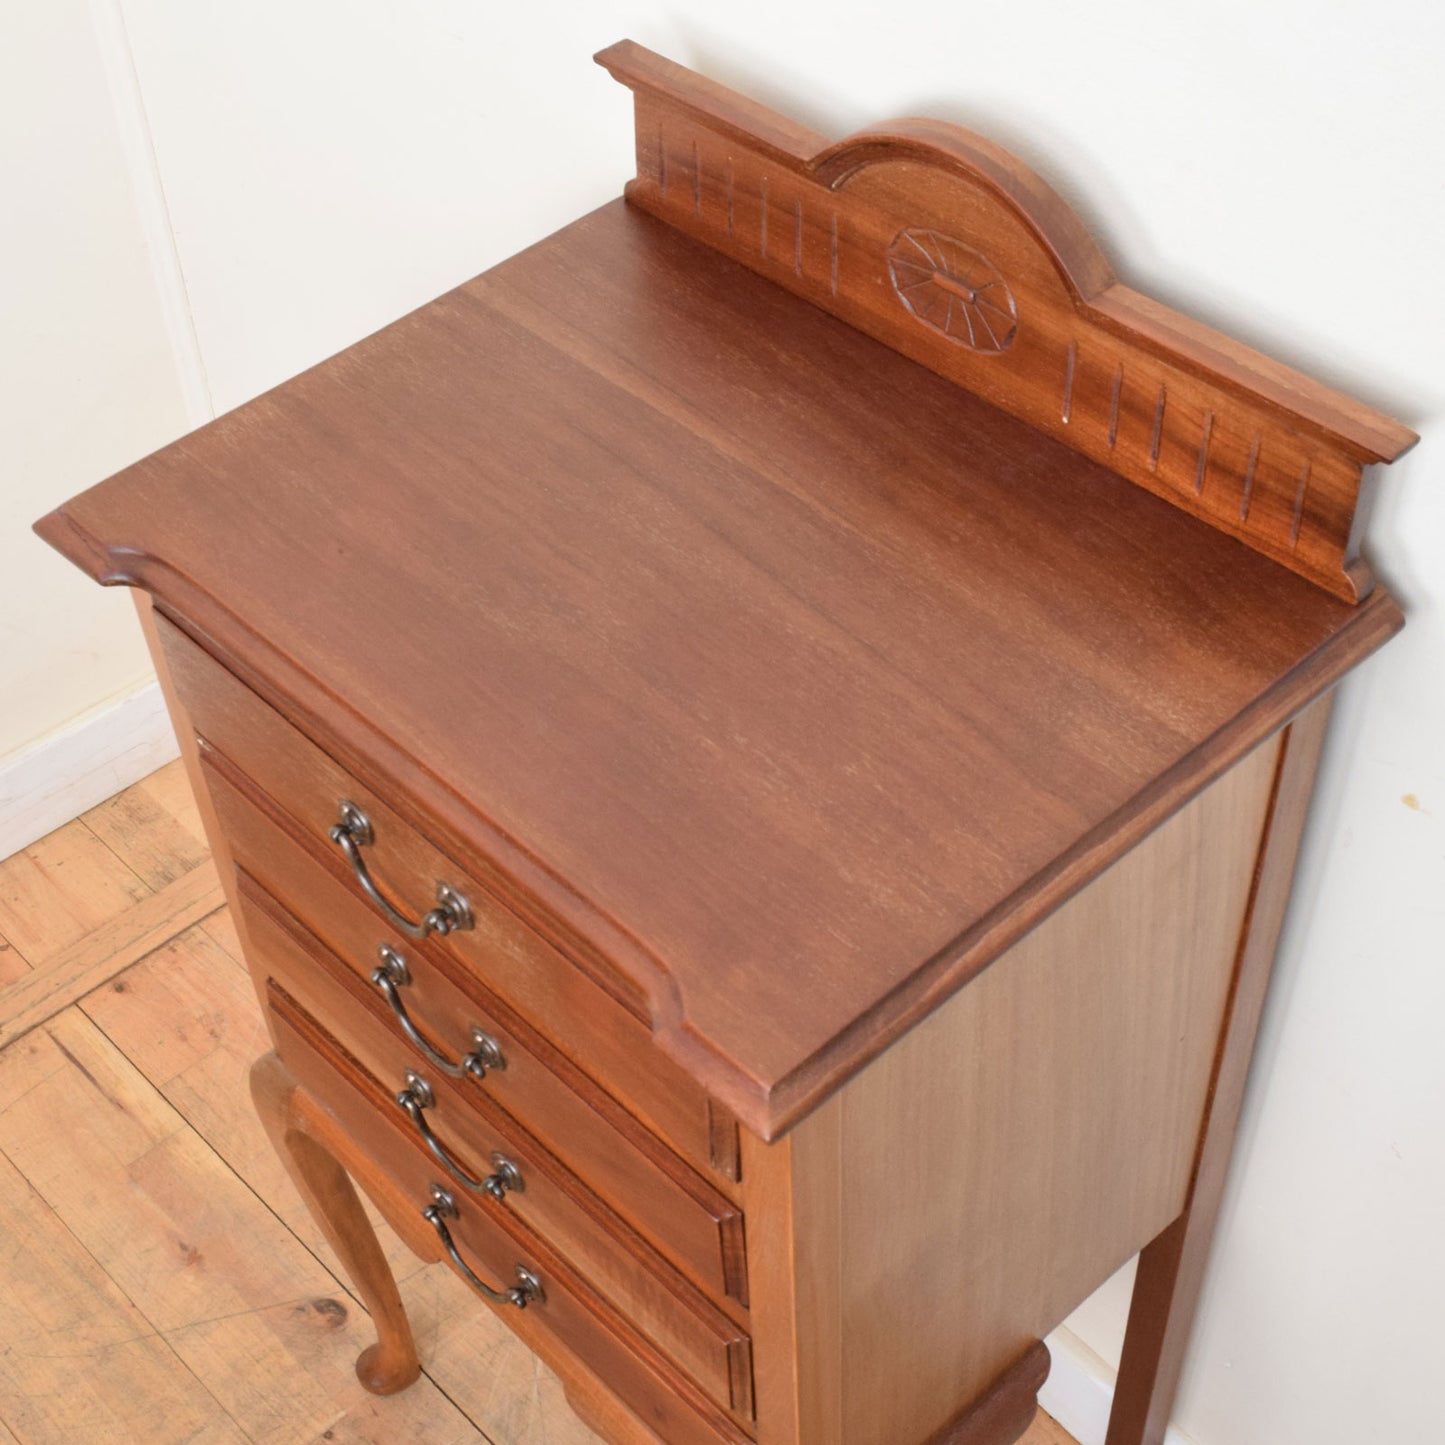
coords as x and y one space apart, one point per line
88 380
319 166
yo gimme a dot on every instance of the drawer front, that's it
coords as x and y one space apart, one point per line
603 1034
696 1227
492 1243
469 1128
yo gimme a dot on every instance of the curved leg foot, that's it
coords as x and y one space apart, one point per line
391 1363
383 1371
1007 1409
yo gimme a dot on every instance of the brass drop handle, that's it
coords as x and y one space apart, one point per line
415 1099
353 833
393 975
528 1288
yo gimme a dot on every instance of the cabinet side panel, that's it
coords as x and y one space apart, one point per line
151 626
1008 1154
1171 1268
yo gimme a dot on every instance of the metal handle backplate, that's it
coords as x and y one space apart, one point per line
415 1099
353 833
391 977
528 1288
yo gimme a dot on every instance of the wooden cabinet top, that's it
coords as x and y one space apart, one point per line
791 678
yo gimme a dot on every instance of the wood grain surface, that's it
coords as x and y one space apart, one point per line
573 1326
1005 1413
798 681
41 993
957 1199
174 1291
389 1364
81 1359
286 777
951 250
777 604
551 1201
1171 1268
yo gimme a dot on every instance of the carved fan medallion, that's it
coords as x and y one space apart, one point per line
950 287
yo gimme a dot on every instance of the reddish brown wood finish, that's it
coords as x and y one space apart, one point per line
622 1185
952 251
695 1336
798 681
764 649
391 1363
1005 1413
1171 1268
301 786
589 1131
645 1182
406 864
494 1242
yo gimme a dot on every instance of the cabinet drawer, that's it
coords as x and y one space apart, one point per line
471 1121
676 1209
602 1032
492 1242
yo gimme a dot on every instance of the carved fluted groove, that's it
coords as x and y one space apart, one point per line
954 150
767 130
1193 416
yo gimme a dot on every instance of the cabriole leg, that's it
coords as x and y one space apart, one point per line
391 1363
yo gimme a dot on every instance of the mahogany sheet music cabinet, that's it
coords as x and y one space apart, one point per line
758 749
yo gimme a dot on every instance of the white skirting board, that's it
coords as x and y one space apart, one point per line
58 777
1080 1391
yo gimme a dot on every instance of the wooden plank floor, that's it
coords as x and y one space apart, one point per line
159 1281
